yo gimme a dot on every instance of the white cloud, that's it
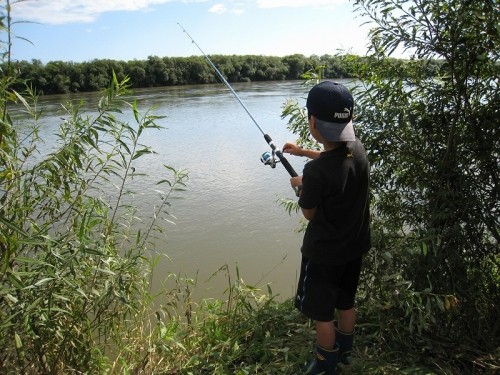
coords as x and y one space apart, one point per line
231 7
86 11
297 3
218 8
71 11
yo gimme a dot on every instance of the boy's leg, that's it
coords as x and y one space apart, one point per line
326 352
325 334
344 334
344 328
347 320
316 295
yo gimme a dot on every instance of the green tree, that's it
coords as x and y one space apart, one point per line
170 70
76 77
248 68
431 126
434 146
96 74
295 64
136 70
156 72
196 70
59 79
227 66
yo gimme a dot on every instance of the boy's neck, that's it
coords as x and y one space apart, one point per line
329 146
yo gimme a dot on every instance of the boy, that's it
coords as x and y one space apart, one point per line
334 198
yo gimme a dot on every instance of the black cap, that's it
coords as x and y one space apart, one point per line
332 105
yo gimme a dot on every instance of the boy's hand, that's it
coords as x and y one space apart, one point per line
296 183
292 148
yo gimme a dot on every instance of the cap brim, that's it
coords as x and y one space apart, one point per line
336 132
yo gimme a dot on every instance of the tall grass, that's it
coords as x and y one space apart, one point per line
247 332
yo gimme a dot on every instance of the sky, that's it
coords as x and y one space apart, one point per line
84 30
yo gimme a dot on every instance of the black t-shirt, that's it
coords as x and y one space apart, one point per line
337 184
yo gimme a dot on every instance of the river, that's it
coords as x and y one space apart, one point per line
229 214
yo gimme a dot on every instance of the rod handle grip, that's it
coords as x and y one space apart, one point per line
286 164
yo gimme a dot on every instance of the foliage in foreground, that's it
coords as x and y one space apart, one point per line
249 331
74 260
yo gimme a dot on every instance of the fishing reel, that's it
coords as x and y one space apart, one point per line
269 158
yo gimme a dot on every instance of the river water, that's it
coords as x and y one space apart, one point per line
229 214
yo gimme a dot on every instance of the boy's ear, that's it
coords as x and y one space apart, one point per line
313 121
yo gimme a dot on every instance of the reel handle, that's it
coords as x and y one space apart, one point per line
286 164
282 159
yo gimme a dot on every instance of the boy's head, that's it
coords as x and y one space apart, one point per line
332 106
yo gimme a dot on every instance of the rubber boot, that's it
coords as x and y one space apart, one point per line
324 362
344 341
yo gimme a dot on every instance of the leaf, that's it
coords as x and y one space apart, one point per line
141 152
58 309
92 251
60 297
13 227
387 256
34 304
440 304
424 248
106 271
138 237
33 261
124 145
43 281
15 280
11 298
17 339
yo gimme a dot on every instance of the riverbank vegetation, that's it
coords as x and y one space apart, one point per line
76 260
59 77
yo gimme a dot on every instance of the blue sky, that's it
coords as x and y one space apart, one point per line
83 30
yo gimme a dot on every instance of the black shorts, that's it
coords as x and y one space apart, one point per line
324 288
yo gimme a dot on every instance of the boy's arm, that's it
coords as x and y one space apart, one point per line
308 212
296 183
293 149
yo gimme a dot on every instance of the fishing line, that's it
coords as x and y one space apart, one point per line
266 158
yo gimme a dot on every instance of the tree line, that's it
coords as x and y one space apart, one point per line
59 77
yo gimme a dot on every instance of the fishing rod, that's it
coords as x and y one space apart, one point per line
268 158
